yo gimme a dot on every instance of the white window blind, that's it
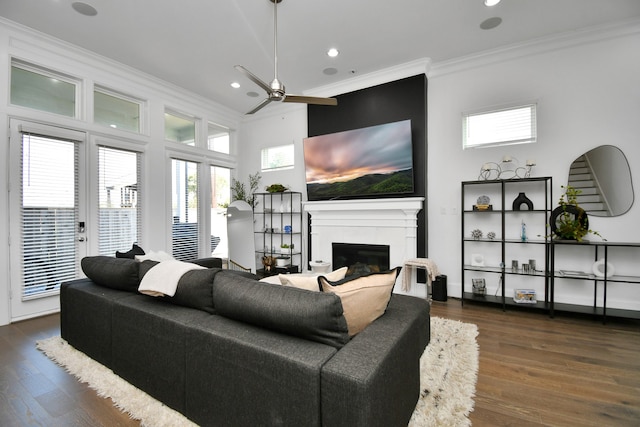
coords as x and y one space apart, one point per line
505 126
48 214
185 228
118 200
274 158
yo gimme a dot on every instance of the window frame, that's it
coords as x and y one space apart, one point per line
51 74
277 168
531 137
142 107
196 127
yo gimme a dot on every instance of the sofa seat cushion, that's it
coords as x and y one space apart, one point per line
311 315
364 297
110 272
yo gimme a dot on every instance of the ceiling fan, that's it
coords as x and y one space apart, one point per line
275 90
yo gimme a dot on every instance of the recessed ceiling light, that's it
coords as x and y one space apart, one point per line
490 23
84 8
490 3
235 85
333 52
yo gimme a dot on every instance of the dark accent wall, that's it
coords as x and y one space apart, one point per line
389 102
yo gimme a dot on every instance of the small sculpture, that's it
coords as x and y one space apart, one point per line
476 234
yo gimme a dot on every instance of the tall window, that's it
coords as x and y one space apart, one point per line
119 200
116 111
179 128
43 90
49 214
220 199
184 208
503 126
280 157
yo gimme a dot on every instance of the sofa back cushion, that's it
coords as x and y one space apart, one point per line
110 272
310 315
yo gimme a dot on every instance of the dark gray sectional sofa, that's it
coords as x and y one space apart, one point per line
228 350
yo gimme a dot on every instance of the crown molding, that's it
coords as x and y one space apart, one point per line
535 47
386 75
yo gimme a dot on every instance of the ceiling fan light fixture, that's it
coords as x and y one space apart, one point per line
276 91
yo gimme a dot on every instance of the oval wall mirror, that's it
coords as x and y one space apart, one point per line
604 176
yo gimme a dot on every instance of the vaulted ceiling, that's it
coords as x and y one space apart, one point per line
196 43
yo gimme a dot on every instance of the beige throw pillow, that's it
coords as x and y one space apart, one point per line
310 282
364 298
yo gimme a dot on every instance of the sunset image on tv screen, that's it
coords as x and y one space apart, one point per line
369 161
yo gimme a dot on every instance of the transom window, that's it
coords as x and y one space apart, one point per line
115 110
218 138
179 128
503 126
44 90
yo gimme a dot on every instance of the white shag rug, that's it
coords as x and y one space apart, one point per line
449 370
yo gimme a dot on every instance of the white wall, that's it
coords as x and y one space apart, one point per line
588 94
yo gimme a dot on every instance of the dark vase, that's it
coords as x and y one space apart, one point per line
576 215
520 200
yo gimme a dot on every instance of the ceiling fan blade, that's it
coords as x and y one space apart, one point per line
253 78
310 100
260 106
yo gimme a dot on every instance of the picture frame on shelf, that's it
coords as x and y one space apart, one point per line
479 287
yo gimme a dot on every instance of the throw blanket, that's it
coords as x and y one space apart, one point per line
162 279
410 264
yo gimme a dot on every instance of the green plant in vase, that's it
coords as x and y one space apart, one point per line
569 221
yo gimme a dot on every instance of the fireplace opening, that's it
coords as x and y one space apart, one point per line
360 258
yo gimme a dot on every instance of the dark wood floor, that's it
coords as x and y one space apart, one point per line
534 371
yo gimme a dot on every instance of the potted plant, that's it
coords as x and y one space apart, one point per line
240 192
569 221
286 248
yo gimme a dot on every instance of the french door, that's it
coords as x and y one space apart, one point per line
47 211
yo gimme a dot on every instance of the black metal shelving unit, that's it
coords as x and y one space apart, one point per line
542 186
273 213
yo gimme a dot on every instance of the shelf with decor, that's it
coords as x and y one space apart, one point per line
499 217
602 273
278 232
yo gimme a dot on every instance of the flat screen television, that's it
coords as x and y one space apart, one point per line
368 162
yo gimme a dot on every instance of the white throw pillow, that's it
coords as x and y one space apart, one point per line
154 256
310 282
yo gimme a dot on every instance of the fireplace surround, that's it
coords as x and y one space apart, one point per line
391 222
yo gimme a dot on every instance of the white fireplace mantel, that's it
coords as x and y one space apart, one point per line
392 222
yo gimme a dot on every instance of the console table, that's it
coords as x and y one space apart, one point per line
602 251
